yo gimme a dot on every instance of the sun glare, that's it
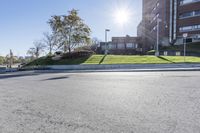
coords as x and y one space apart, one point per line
122 16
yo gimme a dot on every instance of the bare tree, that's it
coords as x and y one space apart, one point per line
95 42
50 41
37 50
2 60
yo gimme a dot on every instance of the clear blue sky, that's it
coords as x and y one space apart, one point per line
23 21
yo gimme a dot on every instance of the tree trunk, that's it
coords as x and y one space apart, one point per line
65 47
50 51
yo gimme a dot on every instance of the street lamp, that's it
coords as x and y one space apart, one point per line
106 41
157 43
11 59
185 35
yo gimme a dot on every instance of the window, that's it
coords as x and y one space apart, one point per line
129 45
189 28
156 6
182 2
197 13
112 46
155 17
187 14
190 14
121 46
136 45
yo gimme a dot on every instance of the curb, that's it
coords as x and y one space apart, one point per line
8 70
119 70
117 66
110 68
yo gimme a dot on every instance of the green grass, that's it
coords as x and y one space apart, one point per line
95 59
48 61
116 59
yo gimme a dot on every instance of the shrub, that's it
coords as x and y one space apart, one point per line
92 48
77 54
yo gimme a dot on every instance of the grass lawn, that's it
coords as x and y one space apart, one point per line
116 59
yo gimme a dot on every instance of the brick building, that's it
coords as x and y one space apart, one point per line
122 45
175 18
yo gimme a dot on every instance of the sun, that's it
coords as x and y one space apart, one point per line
122 16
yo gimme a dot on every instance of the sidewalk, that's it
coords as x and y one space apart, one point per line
107 68
121 67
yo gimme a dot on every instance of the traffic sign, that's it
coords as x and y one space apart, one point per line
185 35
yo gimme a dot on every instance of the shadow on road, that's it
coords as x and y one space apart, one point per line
56 78
17 75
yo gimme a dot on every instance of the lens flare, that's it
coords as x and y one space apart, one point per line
122 16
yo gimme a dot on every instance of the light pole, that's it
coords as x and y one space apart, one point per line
185 35
11 59
157 37
184 48
106 41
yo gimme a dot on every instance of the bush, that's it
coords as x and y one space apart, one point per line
83 48
58 53
92 48
77 54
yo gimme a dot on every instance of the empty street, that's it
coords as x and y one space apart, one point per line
91 102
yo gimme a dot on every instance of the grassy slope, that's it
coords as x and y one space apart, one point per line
148 59
117 59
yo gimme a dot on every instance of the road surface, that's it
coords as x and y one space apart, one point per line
104 102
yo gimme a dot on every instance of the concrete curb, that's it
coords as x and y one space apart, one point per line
109 68
118 70
106 67
8 70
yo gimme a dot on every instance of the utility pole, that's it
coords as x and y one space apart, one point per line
106 41
185 35
158 40
11 59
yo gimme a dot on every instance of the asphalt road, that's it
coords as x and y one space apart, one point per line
112 102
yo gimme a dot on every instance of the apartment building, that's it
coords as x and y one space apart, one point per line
170 19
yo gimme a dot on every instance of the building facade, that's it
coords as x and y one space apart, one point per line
122 45
171 19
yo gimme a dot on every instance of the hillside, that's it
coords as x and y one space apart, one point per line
114 59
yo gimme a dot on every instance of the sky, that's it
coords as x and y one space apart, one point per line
24 21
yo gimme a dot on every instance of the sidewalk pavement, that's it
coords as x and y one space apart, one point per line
109 68
118 68
121 66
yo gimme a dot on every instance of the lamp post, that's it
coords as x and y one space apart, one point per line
106 41
185 35
11 59
157 37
